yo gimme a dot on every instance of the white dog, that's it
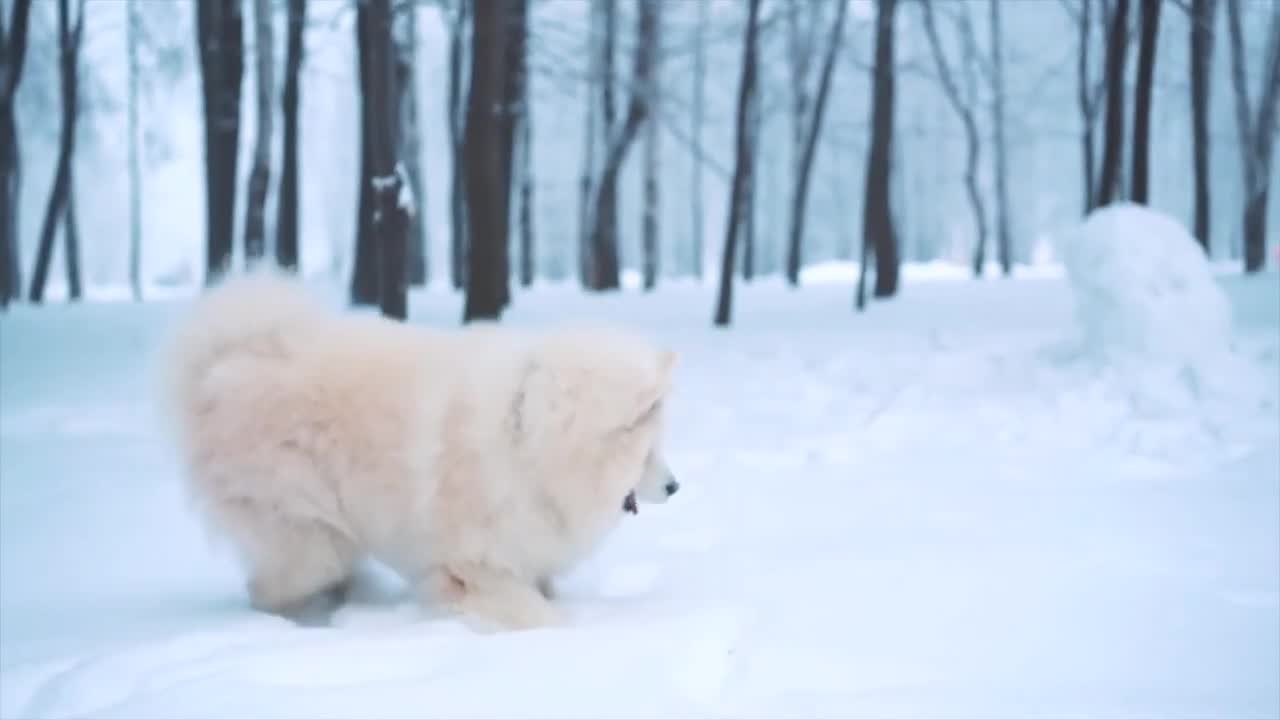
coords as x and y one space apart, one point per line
478 463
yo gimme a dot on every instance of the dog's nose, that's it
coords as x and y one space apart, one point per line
672 487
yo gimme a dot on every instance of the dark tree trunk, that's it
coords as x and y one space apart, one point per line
1084 90
220 35
71 254
602 269
1004 243
741 166
1202 14
649 229
1113 140
69 36
133 22
748 211
411 141
1150 15
527 247
1256 133
877 216
514 48
287 224
13 53
364 276
808 142
255 218
389 197
458 232
488 189
604 226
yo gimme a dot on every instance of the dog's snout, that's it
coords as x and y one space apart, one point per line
672 486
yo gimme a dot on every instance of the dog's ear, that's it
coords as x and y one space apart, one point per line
649 399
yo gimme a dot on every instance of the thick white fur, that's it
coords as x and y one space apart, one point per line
478 463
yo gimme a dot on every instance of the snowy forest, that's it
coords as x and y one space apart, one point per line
629 144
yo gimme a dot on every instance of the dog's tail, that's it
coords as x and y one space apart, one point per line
243 318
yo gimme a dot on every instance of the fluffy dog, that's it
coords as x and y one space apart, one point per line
478 463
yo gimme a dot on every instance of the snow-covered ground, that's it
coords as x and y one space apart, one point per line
939 508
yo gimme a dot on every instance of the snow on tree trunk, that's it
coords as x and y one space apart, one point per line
287 222
390 197
454 121
411 139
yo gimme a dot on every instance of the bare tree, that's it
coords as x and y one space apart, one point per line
604 273
1089 92
1256 132
699 100
878 234
390 195
1004 250
132 26
807 127
1150 14
364 274
287 223
13 53
60 197
255 219
524 171
514 48
741 166
406 45
963 103
1117 49
220 35
747 216
1202 15
488 189
458 69
649 231
591 130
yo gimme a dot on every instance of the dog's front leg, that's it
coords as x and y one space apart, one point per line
488 597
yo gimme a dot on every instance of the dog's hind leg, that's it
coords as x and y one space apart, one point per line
291 560
489 597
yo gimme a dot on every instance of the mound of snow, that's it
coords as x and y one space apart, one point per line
1143 286
1150 309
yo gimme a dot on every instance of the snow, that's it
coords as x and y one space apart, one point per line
942 507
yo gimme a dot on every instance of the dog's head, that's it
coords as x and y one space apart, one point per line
598 401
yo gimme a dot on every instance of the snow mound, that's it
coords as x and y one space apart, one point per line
1143 286
1150 310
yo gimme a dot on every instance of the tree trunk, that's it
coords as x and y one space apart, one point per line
748 211
741 167
457 184
649 231
1084 97
71 233
487 186
255 219
220 36
807 143
1202 15
963 106
364 275
877 216
411 141
604 225
1139 180
699 100
527 247
132 27
602 270
390 197
69 36
1113 140
591 125
287 223
1004 243
1256 133
514 49
13 53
